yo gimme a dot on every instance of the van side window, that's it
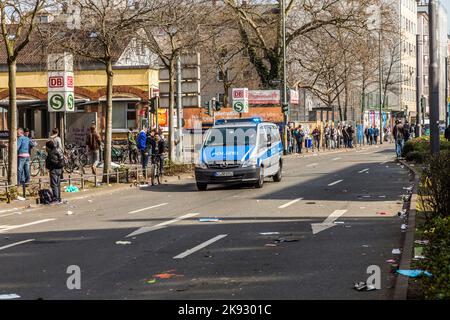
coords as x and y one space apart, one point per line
262 137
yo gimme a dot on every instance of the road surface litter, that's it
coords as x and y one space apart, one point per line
363 286
209 220
414 273
71 189
396 251
268 233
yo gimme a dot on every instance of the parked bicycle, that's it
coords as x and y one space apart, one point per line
37 165
156 170
75 158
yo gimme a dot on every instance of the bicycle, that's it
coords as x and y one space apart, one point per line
37 165
156 170
75 157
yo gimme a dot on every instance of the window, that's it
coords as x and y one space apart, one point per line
124 115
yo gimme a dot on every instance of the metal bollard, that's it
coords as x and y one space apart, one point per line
117 176
82 181
95 181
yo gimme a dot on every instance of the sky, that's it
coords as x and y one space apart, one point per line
446 4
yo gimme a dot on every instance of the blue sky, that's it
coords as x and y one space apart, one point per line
446 4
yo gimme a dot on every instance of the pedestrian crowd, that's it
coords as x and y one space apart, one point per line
301 137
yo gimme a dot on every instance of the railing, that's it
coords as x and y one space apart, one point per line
117 176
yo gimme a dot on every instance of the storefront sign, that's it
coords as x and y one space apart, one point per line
259 97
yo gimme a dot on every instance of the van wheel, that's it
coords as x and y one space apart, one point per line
259 184
202 186
279 175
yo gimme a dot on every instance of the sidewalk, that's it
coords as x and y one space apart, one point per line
337 151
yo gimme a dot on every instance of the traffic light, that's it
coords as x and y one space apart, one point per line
208 108
217 106
285 107
152 105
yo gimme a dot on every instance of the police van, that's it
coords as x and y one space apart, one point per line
241 151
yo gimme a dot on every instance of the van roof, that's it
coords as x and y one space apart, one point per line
239 122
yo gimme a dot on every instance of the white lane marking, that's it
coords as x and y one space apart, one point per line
328 222
334 183
312 164
200 246
15 244
362 171
161 225
26 225
336 159
148 208
289 203
9 210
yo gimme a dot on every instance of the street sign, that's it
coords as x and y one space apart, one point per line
240 100
60 86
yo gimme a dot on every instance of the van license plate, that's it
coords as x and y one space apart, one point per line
224 174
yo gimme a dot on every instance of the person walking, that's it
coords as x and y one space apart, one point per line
24 146
345 136
333 137
93 143
350 134
299 136
371 133
376 134
316 138
54 164
327 137
399 136
142 146
366 134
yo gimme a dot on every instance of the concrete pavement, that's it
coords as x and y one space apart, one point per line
262 247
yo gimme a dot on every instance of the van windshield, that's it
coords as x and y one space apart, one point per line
231 136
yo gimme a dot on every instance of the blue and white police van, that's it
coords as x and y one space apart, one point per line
240 151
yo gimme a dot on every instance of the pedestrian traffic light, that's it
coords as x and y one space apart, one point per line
152 105
285 107
217 106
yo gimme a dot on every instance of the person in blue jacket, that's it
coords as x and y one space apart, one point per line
371 135
24 146
143 149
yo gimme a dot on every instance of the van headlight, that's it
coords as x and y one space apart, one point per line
252 162
201 165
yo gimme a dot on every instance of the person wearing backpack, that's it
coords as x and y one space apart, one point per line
93 143
54 164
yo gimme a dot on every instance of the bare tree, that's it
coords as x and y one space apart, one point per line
18 21
260 27
105 25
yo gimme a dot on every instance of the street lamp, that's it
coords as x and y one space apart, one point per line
284 80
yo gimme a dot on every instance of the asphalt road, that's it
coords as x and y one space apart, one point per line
173 255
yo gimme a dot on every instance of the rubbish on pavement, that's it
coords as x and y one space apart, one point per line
365 246
363 286
9 296
401 212
72 189
407 188
209 220
69 213
123 242
391 261
382 213
271 245
404 226
396 251
167 275
422 242
20 198
268 233
151 281
414 273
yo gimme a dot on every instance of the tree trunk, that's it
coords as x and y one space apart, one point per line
109 110
171 108
12 123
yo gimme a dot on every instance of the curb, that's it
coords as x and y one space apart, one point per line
402 283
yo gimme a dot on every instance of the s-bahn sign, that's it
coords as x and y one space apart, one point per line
240 100
60 83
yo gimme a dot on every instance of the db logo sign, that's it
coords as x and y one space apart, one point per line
238 94
70 82
56 82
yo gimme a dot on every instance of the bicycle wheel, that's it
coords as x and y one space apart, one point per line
153 174
35 167
159 175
